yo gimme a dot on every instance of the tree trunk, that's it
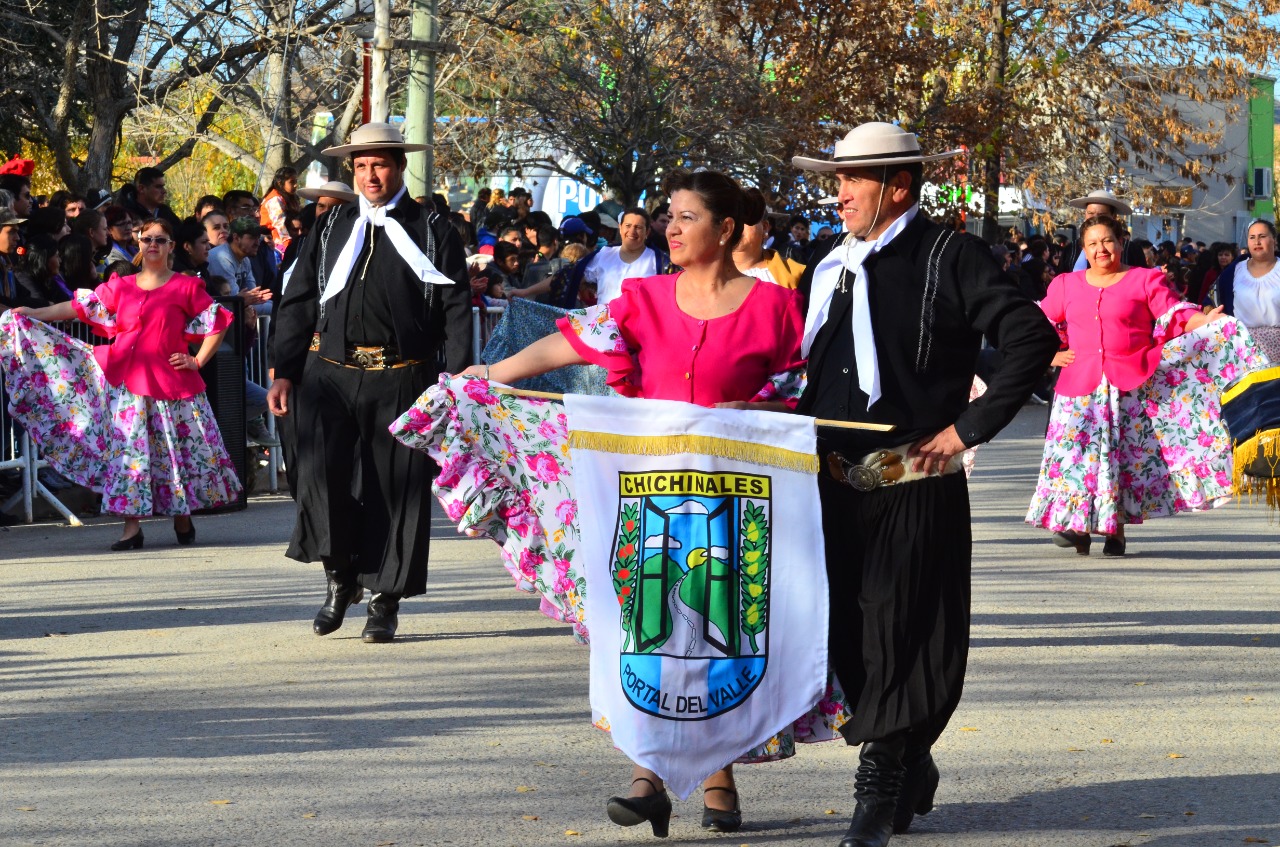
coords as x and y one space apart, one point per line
998 63
277 151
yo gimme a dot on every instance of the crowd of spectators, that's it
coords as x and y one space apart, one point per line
240 246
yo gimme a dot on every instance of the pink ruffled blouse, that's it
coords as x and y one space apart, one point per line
148 328
1113 330
651 348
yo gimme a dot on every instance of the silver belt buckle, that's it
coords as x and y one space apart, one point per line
866 477
364 358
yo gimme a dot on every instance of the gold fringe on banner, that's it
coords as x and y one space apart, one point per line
672 445
1248 381
1265 445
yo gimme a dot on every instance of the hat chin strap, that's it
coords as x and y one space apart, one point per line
884 175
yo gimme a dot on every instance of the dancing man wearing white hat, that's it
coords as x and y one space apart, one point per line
897 311
380 287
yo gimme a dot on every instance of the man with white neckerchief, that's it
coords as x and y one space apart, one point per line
378 290
896 314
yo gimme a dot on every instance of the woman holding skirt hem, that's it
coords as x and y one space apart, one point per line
708 335
1136 429
129 420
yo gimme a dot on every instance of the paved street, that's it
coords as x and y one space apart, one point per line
178 697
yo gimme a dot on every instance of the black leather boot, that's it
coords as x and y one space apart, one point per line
876 788
343 592
918 787
382 623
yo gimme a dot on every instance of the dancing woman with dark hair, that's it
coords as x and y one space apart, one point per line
1136 431
129 420
709 335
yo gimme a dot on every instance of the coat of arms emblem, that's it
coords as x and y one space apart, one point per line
691 573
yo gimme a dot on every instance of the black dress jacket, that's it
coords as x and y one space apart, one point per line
930 309
425 316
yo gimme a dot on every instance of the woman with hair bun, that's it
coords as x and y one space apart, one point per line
709 335
751 256
1136 431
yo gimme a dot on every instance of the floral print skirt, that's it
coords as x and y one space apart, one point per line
145 456
1121 457
1268 338
506 473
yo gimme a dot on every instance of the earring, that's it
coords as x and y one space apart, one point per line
722 242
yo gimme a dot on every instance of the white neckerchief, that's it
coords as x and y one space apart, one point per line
405 246
849 255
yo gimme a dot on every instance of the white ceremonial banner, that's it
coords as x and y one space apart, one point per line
706 577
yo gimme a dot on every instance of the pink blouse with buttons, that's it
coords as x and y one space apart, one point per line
1112 330
651 348
148 328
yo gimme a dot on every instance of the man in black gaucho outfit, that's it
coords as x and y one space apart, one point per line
897 311
378 289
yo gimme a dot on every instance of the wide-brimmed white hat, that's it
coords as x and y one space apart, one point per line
333 188
871 145
374 136
1102 197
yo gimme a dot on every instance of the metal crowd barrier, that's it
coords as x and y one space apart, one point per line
258 370
18 452
482 326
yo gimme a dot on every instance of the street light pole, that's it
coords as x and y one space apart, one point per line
420 119
380 109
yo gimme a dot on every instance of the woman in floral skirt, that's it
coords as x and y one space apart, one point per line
708 335
129 419
1136 429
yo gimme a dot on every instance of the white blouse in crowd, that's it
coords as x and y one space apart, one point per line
607 270
1257 297
761 273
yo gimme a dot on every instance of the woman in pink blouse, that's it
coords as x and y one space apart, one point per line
708 335
1135 431
129 419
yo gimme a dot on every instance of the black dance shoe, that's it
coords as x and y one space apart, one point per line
343 592
655 808
1114 546
188 537
721 820
382 623
133 542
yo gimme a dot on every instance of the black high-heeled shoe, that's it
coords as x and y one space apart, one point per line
133 542
188 537
721 820
654 808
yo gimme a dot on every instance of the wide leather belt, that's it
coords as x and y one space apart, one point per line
881 468
366 358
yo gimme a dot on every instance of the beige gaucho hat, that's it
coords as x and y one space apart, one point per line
871 145
1102 197
374 136
332 188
